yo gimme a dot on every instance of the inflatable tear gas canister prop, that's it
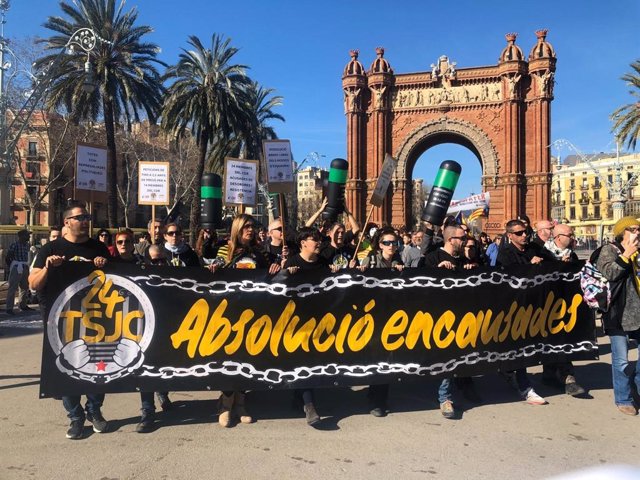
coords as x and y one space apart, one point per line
440 197
211 201
338 173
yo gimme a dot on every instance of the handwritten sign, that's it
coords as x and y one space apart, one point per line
240 181
153 183
277 155
91 167
386 174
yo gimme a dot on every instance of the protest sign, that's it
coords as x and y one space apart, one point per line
279 162
240 182
153 183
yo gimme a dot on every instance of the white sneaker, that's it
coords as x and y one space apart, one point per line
534 399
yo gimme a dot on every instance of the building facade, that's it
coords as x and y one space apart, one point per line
310 187
582 192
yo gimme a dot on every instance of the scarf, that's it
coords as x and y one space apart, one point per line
558 252
177 249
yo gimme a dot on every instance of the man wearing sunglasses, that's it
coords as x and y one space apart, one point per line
75 246
277 249
520 252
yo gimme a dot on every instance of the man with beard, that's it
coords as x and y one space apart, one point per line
449 256
75 246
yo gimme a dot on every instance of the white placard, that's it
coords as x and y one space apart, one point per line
240 181
153 183
91 167
277 156
382 185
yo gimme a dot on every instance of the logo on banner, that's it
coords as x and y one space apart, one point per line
99 327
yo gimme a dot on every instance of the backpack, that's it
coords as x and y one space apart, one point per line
596 289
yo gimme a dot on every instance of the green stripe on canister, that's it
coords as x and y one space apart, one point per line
210 192
337 175
447 179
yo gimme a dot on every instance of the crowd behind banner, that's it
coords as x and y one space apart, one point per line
316 250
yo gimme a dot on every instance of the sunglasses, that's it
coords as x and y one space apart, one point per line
388 243
249 225
633 229
122 242
519 233
565 235
459 238
173 233
83 217
277 228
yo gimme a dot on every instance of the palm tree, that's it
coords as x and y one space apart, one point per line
261 108
627 118
208 97
123 65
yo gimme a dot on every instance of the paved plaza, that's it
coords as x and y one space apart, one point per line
500 438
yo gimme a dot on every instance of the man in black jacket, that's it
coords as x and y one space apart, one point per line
520 252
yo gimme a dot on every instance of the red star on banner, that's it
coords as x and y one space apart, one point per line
100 366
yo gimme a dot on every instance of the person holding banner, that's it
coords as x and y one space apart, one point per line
519 252
451 256
77 246
337 252
276 247
242 251
176 251
308 259
384 255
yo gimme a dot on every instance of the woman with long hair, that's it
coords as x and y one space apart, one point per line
242 251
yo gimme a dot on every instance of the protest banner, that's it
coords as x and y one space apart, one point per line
153 183
127 328
279 162
240 182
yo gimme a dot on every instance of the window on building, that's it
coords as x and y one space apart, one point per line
596 183
572 213
33 148
585 212
584 183
596 211
610 178
572 184
572 197
596 195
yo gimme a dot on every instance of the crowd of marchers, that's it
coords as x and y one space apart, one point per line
330 246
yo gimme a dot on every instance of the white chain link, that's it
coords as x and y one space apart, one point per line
347 280
275 377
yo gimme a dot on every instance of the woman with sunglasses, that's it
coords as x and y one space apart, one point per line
104 236
176 251
125 253
384 255
242 251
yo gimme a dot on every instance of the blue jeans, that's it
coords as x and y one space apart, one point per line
74 409
444 390
622 371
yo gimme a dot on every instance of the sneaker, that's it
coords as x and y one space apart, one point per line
447 410
98 421
147 423
573 388
533 398
165 402
75 430
310 414
627 409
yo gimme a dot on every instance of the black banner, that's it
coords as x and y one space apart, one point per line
128 328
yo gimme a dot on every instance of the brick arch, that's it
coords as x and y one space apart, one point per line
447 130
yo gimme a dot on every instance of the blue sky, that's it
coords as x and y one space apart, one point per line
300 48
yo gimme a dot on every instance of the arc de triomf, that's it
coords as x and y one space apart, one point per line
500 112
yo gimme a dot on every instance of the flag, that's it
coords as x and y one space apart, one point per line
480 212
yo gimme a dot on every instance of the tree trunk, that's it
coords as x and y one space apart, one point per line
194 221
112 192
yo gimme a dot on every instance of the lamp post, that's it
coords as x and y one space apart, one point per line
84 39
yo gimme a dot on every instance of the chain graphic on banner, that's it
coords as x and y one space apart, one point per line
219 287
275 376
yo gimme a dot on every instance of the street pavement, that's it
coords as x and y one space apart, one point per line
501 438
